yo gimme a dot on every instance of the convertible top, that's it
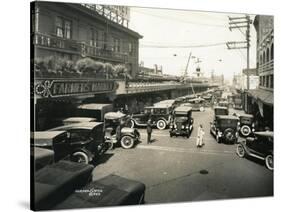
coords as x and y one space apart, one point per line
183 109
220 107
46 135
79 119
246 115
81 125
114 115
227 117
93 106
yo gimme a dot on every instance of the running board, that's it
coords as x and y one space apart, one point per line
256 156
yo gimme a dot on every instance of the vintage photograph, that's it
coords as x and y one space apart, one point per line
135 105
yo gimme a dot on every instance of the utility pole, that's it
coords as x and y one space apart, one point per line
239 23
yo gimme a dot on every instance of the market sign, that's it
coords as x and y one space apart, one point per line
52 88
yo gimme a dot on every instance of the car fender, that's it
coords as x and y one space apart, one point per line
86 151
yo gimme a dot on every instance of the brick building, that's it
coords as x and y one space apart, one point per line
260 100
74 31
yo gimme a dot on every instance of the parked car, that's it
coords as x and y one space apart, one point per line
237 102
129 136
68 185
74 120
182 122
225 128
41 157
223 104
218 111
56 141
198 104
260 146
160 115
86 141
247 125
94 110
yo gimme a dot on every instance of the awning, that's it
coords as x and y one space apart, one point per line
263 95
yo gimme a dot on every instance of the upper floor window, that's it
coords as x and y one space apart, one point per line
104 40
63 28
94 38
116 45
271 81
272 52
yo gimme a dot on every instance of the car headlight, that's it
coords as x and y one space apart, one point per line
253 129
219 134
182 127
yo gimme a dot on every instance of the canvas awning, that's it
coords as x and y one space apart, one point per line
263 95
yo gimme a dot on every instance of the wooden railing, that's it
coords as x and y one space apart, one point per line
77 47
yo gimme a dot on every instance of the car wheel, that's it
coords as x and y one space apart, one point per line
161 124
240 151
269 162
127 142
201 109
132 124
80 157
245 130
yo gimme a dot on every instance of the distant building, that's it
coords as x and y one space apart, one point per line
74 31
239 81
260 100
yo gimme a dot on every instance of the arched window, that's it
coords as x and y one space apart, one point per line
267 54
263 58
272 52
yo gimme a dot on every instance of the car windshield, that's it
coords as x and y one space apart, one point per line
220 111
228 123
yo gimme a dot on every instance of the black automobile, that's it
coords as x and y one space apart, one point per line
198 104
260 146
159 114
56 141
225 128
127 137
218 111
182 122
247 125
68 185
85 140
41 157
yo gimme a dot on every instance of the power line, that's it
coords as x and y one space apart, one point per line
182 46
180 20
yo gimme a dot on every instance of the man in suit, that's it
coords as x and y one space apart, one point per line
149 131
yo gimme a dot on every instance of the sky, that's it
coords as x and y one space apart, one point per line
182 28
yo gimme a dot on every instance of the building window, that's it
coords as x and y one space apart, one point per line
63 28
94 38
104 40
267 81
130 48
271 81
261 81
267 54
272 52
116 45
263 59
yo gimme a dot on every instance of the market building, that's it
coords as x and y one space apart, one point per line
260 100
74 31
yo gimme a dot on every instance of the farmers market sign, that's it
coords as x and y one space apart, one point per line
66 87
